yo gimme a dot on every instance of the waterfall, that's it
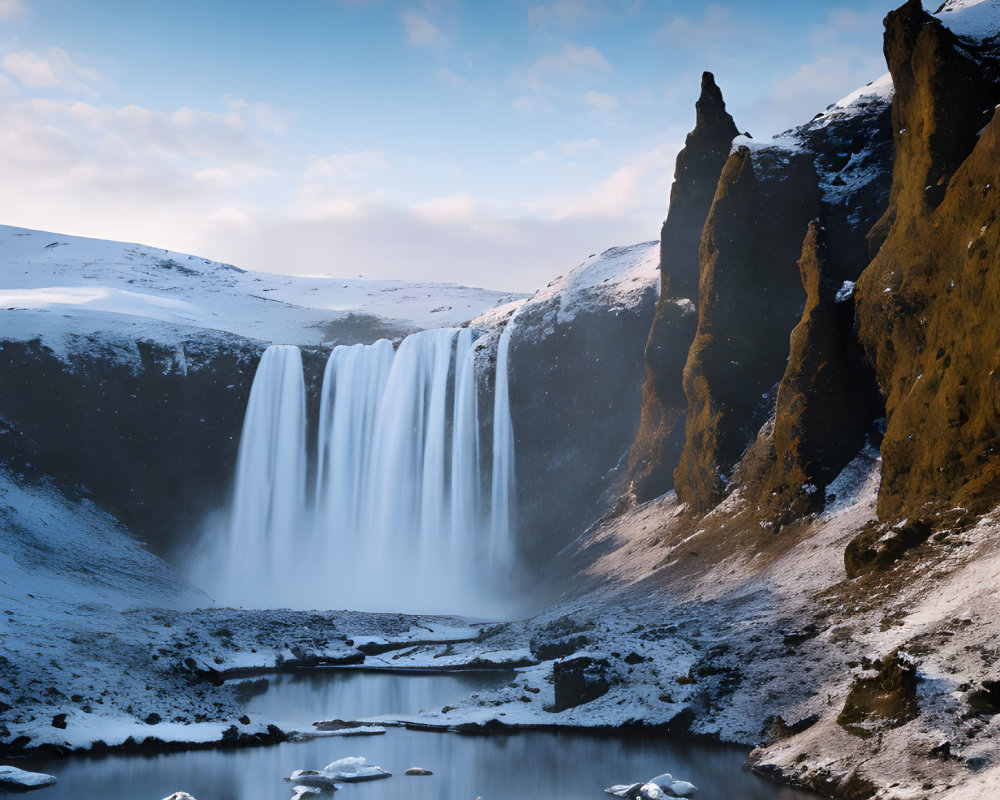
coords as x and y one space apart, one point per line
269 497
406 514
502 485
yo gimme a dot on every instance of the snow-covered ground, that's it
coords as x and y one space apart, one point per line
65 289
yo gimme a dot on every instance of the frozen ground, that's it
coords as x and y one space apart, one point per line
66 289
715 629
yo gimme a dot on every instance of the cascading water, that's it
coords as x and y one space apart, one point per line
406 516
270 484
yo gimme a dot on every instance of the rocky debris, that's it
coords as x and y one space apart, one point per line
658 443
877 547
883 695
418 771
984 699
19 779
921 304
578 681
749 300
559 638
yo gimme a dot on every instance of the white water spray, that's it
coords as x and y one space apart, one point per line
399 519
269 499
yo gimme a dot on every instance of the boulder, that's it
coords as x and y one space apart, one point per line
578 681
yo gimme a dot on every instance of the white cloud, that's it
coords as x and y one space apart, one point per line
12 9
421 32
570 63
54 69
641 184
797 97
347 165
714 25
529 104
601 102
459 208
450 77
562 149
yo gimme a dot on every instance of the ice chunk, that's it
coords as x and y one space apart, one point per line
354 768
12 777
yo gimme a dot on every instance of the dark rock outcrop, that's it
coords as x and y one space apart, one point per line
575 382
658 443
825 403
148 434
884 698
578 681
749 300
927 305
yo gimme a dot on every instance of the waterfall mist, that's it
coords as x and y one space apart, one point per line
404 513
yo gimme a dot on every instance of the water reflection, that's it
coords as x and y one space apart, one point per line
297 699
529 765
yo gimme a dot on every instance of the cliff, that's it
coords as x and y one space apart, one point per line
927 305
657 444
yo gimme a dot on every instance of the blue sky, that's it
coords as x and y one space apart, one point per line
489 143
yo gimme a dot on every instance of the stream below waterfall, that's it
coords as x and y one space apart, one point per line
522 765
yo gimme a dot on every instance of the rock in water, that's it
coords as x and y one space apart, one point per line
629 790
418 771
312 779
682 789
301 792
650 791
19 779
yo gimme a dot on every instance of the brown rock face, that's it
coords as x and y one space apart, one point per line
826 399
941 94
661 433
749 300
928 304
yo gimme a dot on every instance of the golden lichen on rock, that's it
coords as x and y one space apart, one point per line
927 305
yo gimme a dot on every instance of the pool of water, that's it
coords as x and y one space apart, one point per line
526 765
295 700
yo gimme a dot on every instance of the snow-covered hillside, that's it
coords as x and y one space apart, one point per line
60 288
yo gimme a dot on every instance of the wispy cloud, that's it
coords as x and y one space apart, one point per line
713 25
55 69
421 32
572 62
562 150
348 165
641 182
601 102
12 9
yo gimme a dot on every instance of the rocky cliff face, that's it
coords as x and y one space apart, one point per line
927 305
657 446
825 401
749 300
149 432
